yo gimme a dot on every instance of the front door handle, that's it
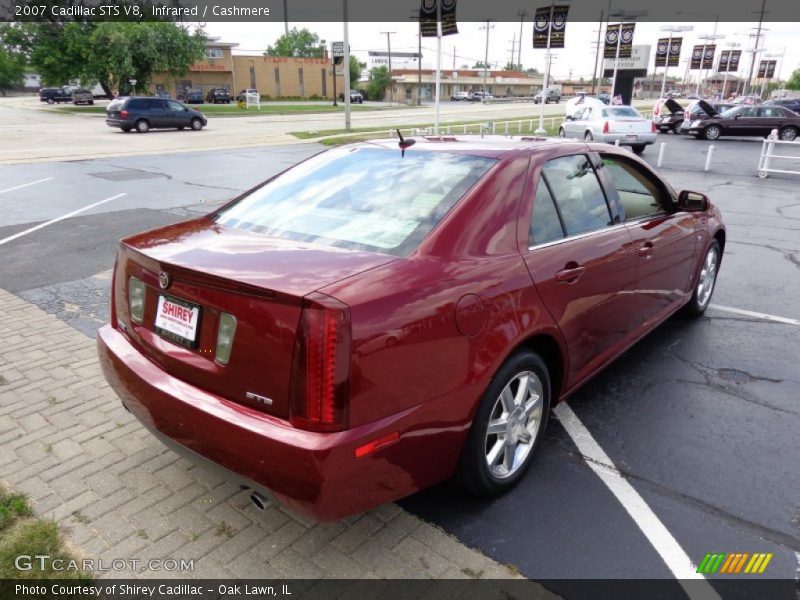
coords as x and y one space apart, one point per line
646 250
570 274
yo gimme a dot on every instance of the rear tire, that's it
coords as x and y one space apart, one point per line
142 126
638 148
788 134
492 463
126 129
705 282
561 132
588 136
51 101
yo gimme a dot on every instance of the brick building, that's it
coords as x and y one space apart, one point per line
498 83
273 76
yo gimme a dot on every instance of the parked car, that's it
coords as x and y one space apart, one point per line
670 117
747 120
218 95
242 96
609 124
193 96
674 93
792 104
163 94
604 97
355 97
747 100
551 95
459 97
82 96
478 96
55 95
327 332
144 114
696 111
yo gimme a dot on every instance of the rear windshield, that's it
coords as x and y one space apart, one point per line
621 111
370 199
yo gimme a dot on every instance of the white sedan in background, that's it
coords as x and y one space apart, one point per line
609 124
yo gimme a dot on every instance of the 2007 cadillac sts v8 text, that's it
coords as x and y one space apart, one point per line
378 319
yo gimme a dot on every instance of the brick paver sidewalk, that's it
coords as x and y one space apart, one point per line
66 441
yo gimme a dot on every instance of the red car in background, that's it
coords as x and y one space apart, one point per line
376 319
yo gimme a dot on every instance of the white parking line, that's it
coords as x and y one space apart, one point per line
757 315
667 547
61 218
24 185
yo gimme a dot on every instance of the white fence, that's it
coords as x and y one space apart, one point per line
768 156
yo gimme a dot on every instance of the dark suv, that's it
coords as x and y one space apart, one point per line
55 95
218 95
144 114
792 104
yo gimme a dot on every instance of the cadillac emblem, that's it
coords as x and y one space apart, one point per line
164 280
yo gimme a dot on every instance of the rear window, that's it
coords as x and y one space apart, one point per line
621 111
370 199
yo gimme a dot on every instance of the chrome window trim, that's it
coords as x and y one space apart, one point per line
578 236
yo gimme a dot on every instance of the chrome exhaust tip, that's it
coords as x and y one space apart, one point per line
258 501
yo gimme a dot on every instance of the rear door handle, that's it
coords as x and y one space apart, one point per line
646 250
570 275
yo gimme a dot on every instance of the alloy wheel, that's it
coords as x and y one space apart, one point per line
708 277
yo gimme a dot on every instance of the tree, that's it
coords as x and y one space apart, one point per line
379 80
12 71
793 83
298 43
355 69
106 52
512 67
481 65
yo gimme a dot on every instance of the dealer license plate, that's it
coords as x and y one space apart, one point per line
177 320
631 137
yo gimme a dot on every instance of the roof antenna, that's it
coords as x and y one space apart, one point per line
404 143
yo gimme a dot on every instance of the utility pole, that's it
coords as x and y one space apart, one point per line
487 27
346 61
419 65
389 47
597 54
513 49
521 13
755 49
286 17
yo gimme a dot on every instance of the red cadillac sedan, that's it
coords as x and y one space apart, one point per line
377 319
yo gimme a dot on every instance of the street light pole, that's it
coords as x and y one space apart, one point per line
521 13
346 65
389 48
597 52
755 48
671 29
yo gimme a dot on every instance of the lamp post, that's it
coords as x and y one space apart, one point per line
621 15
672 29
521 13
389 50
730 46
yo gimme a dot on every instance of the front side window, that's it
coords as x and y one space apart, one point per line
639 195
578 194
370 199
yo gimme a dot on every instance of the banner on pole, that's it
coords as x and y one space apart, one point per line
724 60
541 27
771 68
661 52
449 26
612 35
697 57
668 56
762 69
626 44
427 18
675 52
558 25
708 56
733 62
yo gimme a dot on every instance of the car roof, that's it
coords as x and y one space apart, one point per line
489 146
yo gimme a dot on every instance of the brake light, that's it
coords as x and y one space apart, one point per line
605 127
653 127
124 114
321 365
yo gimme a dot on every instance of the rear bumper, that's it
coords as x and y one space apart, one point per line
313 473
116 123
611 138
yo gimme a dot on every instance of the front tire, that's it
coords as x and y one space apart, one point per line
706 281
508 426
712 132
197 124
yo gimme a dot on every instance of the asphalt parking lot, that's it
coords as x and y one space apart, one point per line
701 417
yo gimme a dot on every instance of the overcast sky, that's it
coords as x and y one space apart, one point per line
577 58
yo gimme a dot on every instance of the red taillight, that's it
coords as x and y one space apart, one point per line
653 127
321 369
123 114
605 127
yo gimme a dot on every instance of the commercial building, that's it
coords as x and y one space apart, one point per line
410 84
272 76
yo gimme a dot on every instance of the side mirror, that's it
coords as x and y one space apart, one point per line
692 201
568 118
735 117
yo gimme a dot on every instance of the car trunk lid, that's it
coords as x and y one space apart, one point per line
210 270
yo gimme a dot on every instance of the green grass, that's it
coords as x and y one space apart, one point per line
233 110
22 533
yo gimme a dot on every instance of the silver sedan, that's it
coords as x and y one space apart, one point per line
609 124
